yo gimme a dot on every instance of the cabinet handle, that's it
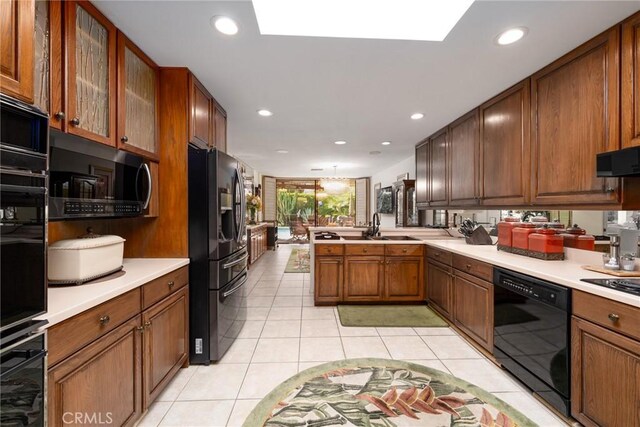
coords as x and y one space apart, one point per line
59 115
104 320
404 250
437 254
140 329
613 317
609 189
365 250
147 325
124 139
388 262
468 266
75 121
171 284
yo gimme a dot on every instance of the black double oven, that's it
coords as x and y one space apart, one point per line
23 245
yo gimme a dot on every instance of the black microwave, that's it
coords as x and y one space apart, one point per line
88 179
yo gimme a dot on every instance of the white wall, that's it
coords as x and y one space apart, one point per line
386 177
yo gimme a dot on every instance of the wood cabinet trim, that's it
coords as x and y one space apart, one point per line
484 337
123 42
194 84
70 48
630 72
444 201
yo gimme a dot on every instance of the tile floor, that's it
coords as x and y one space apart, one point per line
284 334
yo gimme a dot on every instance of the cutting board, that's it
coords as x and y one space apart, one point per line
617 273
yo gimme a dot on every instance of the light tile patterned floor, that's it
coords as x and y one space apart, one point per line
285 334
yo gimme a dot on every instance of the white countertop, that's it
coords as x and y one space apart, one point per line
65 302
567 272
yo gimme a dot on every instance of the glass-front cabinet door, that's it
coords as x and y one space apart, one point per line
137 97
413 218
47 82
91 67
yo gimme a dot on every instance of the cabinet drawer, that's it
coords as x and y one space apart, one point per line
439 255
474 267
161 287
402 250
364 250
613 315
329 249
67 337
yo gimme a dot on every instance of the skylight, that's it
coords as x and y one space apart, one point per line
427 20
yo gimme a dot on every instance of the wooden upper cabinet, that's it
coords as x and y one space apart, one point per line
574 116
422 176
91 73
138 87
48 61
504 147
16 48
220 128
631 81
464 160
201 121
438 167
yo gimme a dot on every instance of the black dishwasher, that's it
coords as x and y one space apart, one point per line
532 334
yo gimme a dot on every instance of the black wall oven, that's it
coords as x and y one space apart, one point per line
23 213
532 334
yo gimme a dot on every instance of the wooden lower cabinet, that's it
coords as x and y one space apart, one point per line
328 279
166 342
439 288
404 279
605 376
473 308
113 375
363 278
100 384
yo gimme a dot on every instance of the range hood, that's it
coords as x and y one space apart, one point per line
619 163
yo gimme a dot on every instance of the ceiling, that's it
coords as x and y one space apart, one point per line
358 90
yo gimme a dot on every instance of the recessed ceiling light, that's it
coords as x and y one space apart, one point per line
225 25
282 151
374 153
340 142
511 35
386 143
381 19
417 116
265 113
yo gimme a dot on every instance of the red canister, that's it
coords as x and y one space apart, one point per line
505 229
576 237
545 242
520 236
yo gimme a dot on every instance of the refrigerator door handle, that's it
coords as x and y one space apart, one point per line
237 287
236 262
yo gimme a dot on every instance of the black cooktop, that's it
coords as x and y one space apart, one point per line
631 286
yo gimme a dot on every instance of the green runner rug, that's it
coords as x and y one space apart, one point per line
298 261
419 316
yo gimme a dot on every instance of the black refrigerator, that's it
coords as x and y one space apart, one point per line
218 253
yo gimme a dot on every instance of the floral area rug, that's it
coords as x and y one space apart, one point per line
298 261
381 393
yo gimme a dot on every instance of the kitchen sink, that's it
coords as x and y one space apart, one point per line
380 238
354 238
399 238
